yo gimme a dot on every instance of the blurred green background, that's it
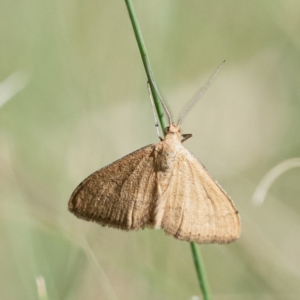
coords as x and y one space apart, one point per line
73 99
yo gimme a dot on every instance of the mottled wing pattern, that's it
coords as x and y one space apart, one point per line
197 208
119 195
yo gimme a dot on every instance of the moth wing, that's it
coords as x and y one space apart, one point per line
118 195
197 208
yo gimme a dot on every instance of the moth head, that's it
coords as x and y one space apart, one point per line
173 130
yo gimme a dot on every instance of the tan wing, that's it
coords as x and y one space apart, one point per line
197 208
120 194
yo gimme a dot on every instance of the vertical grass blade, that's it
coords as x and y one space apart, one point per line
201 274
138 35
146 62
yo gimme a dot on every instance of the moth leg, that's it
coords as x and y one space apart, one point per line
185 137
152 104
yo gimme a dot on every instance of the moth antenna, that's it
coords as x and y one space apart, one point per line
199 94
154 111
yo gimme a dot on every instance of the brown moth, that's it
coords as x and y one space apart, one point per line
160 186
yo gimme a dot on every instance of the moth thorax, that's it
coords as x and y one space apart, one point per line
165 156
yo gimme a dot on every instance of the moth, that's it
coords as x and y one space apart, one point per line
163 186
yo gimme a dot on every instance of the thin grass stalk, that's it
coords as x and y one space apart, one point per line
201 275
146 62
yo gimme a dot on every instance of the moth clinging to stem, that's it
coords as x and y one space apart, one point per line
163 186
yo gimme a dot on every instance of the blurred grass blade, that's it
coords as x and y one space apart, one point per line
103 278
12 85
265 184
41 288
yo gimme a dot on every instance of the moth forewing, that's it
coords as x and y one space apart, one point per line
197 209
120 194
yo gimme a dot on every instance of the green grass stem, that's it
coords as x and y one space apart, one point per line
146 62
201 274
203 282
